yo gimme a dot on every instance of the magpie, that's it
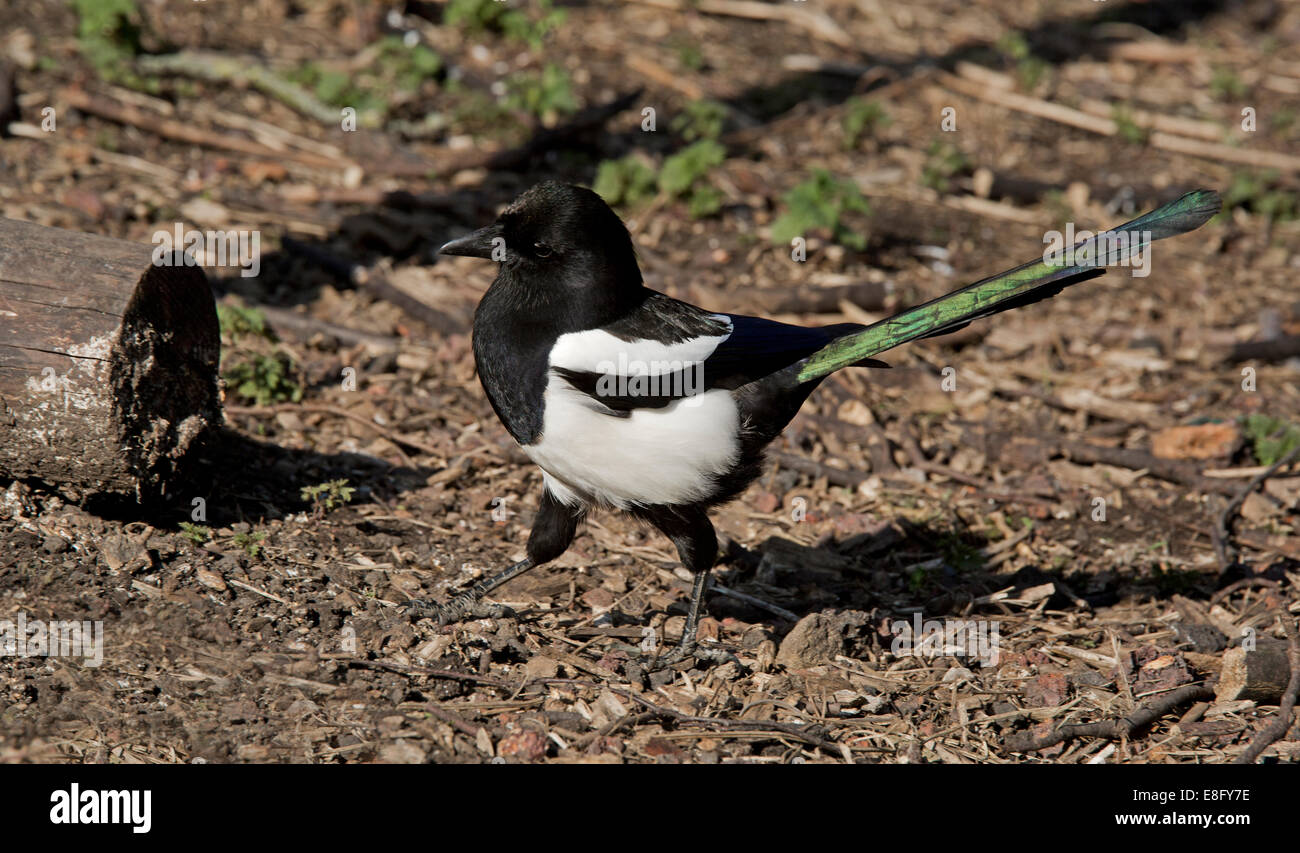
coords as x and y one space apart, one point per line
629 399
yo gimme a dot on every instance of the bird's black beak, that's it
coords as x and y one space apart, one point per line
480 244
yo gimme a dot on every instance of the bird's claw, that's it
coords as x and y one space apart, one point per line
459 609
708 654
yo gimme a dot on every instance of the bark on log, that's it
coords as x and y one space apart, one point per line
108 362
1260 674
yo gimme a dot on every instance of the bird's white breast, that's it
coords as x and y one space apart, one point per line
668 455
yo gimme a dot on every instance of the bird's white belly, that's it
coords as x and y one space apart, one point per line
654 456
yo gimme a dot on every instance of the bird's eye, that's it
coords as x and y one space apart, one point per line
542 250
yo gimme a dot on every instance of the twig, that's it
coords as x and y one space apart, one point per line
1275 349
611 727
1287 546
1223 524
1171 470
647 67
1155 50
274 136
1218 151
1276 729
834 476
207 65
126 161
790 729
755 602
305 325
183 132
342 413
428 672
1241 584
260 592
818 24
807 63
1109 127
1207 130
1112 729
452 720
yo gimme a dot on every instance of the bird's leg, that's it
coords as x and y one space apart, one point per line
553 531
690 530
689 646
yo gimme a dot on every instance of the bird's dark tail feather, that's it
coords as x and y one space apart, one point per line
1014 288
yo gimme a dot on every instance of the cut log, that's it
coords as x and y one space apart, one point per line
1260 674
108 362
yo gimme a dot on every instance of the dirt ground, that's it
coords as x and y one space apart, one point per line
1055 474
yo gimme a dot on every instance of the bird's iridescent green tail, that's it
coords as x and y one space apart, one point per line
1023 285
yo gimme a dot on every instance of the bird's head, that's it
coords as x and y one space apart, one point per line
557 235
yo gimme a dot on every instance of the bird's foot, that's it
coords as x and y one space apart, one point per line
459 609
691 651
470 604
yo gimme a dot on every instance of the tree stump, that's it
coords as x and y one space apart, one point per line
108 362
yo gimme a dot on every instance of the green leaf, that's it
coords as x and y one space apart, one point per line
539 94
624 181
1272 438
691 164
821 202
861 115
704 201
700 120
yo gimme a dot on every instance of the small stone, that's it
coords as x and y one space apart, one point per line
660 747
1047 690
212 580
1088 678
598 599
1205 441
401 751
855 412
523 746
1204 637
55 544
541 667
661 678
117 550
815 641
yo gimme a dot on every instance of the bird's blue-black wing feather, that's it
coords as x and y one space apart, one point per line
753 348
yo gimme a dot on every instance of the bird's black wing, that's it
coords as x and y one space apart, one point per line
667 350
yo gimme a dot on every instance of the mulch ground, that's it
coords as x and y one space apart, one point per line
1058 475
